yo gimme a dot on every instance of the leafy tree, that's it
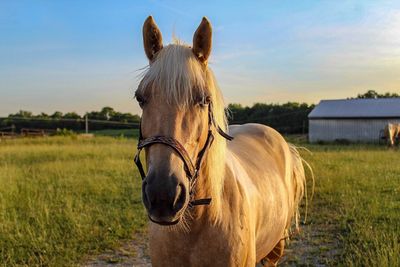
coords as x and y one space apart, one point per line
57 115
21 114
71 115
374 94
107 112
42 115
125 117
235 106
390 95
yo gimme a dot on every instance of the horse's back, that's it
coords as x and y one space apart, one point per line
255 130
257 138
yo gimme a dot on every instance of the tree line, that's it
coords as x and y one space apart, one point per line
374 94
99 120
106 113
287 118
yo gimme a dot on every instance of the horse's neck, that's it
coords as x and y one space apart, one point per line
230 200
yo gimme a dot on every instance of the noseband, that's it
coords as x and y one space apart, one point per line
192 170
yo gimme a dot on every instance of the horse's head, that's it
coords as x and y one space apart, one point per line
174 96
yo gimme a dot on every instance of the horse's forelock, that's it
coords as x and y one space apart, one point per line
176 76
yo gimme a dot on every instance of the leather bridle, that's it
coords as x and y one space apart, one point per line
191 169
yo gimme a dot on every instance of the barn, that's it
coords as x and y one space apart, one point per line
356 120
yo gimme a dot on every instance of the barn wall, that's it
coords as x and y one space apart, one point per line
357 130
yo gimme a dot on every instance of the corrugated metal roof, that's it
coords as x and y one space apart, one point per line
357 108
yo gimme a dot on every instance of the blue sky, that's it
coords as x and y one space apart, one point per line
72 55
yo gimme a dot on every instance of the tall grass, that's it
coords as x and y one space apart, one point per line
358 191
61 198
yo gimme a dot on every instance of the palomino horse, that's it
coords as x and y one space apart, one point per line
213 199
392 132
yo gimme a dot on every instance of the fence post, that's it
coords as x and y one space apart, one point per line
86 124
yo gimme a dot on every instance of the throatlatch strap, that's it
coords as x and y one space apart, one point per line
197 202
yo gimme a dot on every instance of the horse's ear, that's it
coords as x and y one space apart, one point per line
202 40
152 38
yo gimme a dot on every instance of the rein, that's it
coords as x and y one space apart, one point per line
191 169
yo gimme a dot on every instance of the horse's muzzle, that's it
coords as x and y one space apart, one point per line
164 201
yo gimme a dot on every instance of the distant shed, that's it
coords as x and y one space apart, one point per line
357 120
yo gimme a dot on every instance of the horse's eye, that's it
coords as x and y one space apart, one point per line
205 101
140 100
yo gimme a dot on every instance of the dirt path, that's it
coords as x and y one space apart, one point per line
316 245
131 253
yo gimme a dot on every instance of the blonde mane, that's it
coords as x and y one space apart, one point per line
179 78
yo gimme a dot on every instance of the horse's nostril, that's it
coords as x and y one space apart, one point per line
177 194
180 198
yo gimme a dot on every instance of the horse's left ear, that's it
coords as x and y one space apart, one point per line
202 40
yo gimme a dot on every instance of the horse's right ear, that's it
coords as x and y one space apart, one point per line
152 38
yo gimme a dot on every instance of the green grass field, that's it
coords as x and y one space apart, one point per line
357 199
63 198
